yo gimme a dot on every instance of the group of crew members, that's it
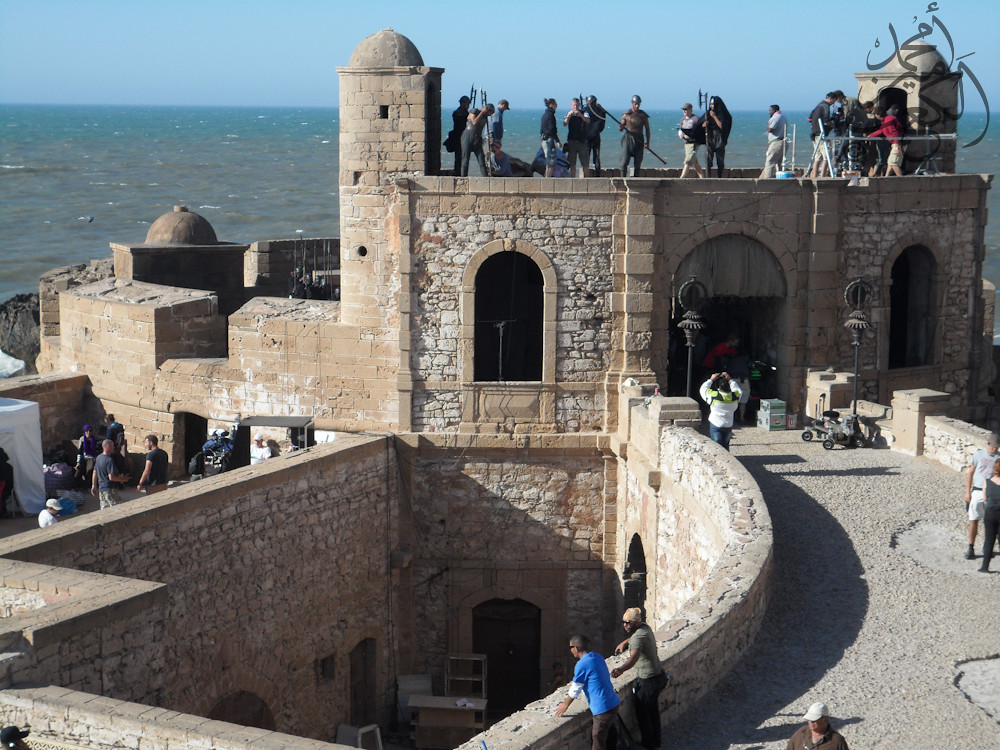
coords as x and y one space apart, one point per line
835 117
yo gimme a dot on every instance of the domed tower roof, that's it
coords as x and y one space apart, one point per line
386 49
921 58
181 227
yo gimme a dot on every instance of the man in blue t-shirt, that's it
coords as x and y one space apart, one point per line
592 678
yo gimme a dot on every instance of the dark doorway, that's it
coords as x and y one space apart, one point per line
244 708
634 575
912 308
363 708
509 632
195 434
509 306
755 320
432 129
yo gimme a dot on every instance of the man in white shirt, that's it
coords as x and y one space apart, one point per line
50 515
776 125
258 451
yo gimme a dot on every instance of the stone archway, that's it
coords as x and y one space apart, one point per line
244 708
509 632
746 292
634 575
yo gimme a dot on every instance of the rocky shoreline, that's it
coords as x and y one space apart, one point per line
20 329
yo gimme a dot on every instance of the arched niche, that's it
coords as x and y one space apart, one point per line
244 708
913 292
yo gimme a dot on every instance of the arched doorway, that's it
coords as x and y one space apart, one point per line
509 632
634 575
912 305
508 327
746 292
244 708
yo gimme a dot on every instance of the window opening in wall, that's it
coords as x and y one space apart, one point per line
383 112
634 575
363 683
912 308
326 668
509 632
508 330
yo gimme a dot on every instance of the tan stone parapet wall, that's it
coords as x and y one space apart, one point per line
92 632
705 638
62 718
952 442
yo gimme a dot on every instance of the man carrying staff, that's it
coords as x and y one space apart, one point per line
634 122
649 677
598 117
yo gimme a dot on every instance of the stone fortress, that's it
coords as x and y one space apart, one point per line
494 477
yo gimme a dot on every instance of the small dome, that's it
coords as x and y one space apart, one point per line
386 49
920 58
181 227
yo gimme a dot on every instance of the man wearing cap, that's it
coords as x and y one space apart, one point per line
817 734
592 679
259 452
50 514
635 122
578 122
980 470
12 736
650 679
687 131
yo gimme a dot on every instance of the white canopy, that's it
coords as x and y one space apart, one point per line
21 438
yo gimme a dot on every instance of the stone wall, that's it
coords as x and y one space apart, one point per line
952 443
507 518
268 570
64 400
691 483
95 633
58 715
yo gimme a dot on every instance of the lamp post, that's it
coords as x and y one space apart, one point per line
691 296
858 296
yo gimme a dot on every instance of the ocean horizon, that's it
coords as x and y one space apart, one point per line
75 178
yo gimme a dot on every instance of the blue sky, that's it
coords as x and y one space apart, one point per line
258 53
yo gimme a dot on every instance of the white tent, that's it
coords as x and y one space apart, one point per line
21 438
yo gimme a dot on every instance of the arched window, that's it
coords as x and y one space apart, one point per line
634 575
508 330
912 308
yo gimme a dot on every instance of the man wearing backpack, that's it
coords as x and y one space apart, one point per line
116 433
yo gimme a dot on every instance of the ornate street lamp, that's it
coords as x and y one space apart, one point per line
692 296
858 296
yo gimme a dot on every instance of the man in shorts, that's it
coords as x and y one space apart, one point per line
980 470
106 481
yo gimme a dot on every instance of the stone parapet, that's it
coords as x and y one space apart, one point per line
909 412
64 400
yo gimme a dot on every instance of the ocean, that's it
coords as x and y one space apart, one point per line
74 178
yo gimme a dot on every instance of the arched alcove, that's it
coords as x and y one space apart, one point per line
912 305
509 309
634 575
244 708
746 290
509 632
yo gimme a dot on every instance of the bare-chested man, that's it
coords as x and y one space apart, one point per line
634 122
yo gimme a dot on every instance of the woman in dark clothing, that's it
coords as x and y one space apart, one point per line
550 136
718 124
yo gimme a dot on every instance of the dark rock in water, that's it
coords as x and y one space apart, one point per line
19 329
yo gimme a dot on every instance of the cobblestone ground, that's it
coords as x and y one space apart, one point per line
874 611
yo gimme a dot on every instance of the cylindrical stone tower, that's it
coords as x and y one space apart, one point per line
390 122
